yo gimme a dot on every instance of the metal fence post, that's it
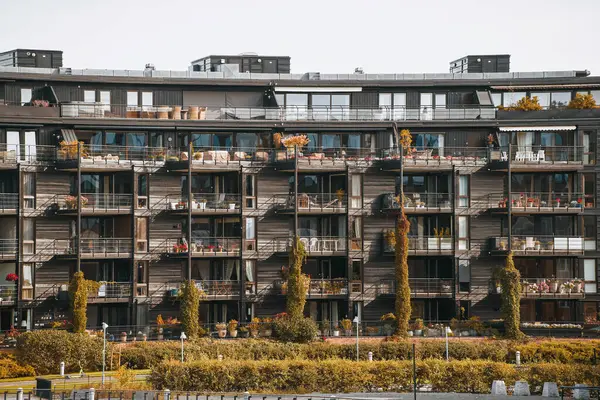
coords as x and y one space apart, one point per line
20 394
167 394
92 393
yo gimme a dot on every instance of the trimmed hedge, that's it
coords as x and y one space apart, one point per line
44 350
146 355
9 368
344 376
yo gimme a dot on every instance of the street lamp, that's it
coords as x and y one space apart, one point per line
104 327
356 321
183 337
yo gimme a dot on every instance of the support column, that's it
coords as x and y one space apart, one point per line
189 213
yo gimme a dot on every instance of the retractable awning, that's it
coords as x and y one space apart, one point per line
537 128
68 135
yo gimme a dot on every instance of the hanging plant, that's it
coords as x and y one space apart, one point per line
12 277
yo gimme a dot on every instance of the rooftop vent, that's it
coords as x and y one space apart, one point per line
359 70
149 67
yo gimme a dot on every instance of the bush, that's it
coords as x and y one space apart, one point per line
9 368
300 330
344 376
44 350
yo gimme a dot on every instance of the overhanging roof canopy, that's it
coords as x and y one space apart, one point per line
537 128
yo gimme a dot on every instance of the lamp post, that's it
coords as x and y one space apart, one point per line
183 337
356 321
104 327
447 330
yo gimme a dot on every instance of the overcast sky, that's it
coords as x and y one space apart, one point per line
329 36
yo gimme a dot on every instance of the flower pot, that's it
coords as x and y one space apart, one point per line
123 337
554 287
348 332
537 247
266 333
222 333
254 333
472 332
202 205
498 289
410 333
232 206
418 332
233 333
336 333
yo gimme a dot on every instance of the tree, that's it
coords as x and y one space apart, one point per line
190 308
582 101
79 289
402 305
510 281
297 282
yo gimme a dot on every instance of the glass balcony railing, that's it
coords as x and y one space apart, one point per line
110 155
539 244
112 290
552 287
8 201
101 202
438 156
418 201
312 202
313 244
543 155
439 286
25 153
205 202
8 247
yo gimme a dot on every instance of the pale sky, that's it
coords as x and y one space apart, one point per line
328 36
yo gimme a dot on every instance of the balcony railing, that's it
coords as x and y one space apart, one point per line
539 245
8 247
211 156
326 156
536 201
288 113
8 201
319 287
96 202
112 290
439 286
544 287
438 156
427 244
543 155
111 155
313 202
205 202
25 153
106 247
313 244
205 246
418 201
8 293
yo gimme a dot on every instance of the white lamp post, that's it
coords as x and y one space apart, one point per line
356 321
104 327
447 330
183 337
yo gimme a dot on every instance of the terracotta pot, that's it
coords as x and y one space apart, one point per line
132 114
222 333
162 112
233 333
176 113
193 112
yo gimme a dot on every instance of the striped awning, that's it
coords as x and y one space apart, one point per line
537 128
68 135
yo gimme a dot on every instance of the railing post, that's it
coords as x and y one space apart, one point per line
20 394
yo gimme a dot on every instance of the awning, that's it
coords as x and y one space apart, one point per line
542 87
68 135
537 128
324 89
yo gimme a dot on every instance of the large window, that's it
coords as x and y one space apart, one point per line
463 191
89 96
589 276
560 99
511 98
423 141
589 232
543 98
26 94
132 99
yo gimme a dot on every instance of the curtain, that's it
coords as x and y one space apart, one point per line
204 270
229 264
586 149
30 145
249 271
440 145
524 141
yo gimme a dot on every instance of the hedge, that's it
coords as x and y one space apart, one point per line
345 376
146 355
9 368
44 350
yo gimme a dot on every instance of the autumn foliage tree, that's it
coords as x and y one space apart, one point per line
510 282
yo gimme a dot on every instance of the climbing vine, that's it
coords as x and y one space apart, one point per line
510 282
79 289
402 305
297 282
190 308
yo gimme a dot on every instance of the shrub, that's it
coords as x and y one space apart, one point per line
525 104
190 305
44 350
582 101
510 279
9 368
290 329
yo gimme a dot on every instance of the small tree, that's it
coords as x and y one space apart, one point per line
525 104
582 101
79 289
296 295
190 308
510 281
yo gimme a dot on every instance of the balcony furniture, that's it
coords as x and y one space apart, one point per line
10 155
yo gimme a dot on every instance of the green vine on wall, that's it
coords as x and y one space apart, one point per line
190 308
297 282
510 281
79 289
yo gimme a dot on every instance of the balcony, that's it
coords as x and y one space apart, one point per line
314 246
330 159
9 202
538 158
312 203
439 158
95 203
8 294
13 154
535 245
289 113
418 203
206 247
215 158
211 289
319 288
93 157
203 203
544 288
544 203
420 287
8 249
422 245
111 292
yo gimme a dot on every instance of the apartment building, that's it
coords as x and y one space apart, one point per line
182 175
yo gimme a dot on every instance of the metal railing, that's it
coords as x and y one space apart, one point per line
8 246
325 155
8 201
318 287
110 155
539 201
26 154
544 155
418 201
8 293
106 247
419 286
205 202
312 201
552 287
112 290
438 156
204 246
313 244
539 244
218 155
96 202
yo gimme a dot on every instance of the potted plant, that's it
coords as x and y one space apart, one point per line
490 141
538 245
243 332
123 336
340 195
202 203
347 326
254 326
524 287
568 287
498 287
284 287
553 284
418 327
325 327
221 328
232 328
557 202
266 328
388 321
231 206
277 140
336 330
577 285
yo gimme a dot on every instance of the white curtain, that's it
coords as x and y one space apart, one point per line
441 145
204 270
524 141
30 146
586 149
250 228
229 264
13 143
249 271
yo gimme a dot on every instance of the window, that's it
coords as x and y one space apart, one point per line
596 95
356 233
28 236
497 99
141 231
250 191
89 96
146 98
132 99
464 276
26 94
588 147
296 106
511 98
27 282
356 191
560 99
142 194
463 233
250 269
588 190
463 191
423 141
105 97
250 237
589 232
393 105
142 278
28 190
589 276
440 100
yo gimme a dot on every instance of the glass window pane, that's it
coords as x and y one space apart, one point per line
589 270
399 99
560 99
25 95
331 141
440 100
320 100
340 100
247 141
146 98
105 97
136 139
426 99
132 99
385 99
596 95
463 227
250 228
201 140
497 99
89 96
511 98
296 99
543 98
